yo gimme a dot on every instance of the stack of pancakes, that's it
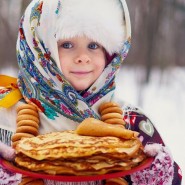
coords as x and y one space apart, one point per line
69 153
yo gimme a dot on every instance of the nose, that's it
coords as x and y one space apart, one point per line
82 58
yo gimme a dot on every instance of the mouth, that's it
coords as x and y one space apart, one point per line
81 73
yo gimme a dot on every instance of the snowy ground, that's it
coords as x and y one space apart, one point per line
163 100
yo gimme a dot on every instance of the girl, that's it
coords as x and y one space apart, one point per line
69 53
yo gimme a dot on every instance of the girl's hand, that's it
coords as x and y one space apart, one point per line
161 170
7 152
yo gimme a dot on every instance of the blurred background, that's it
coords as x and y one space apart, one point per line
153 75
158 33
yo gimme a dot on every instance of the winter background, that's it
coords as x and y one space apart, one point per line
163 101
153 77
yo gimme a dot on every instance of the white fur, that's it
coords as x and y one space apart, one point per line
153 149
100 20
7 152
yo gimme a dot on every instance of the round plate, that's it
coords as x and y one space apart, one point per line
69 178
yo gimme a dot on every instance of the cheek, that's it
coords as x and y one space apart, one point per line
100 68
63 68
62 54
101 64
101 61
62 58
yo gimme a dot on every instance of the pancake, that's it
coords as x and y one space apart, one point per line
82 166
68 144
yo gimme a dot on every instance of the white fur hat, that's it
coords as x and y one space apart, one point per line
101 20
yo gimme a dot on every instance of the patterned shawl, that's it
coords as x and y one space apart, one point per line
41 81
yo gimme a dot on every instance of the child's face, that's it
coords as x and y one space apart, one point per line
82 61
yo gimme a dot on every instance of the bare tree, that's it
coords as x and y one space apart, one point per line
10 13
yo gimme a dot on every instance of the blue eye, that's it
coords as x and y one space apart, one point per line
67 45
93 45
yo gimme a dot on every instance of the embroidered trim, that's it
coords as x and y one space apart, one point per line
5 136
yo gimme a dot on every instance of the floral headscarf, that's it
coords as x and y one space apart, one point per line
40 79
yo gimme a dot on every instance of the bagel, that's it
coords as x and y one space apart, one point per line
26 106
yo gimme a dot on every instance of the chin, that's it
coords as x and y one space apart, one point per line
81 88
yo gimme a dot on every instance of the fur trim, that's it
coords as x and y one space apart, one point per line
7 152
100 20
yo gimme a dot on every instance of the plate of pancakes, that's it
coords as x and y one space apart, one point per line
76 155
96 150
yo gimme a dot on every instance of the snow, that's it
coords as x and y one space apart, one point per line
163 101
